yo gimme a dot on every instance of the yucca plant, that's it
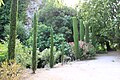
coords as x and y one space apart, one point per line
12 35
75 36
82 32
34 62
51 49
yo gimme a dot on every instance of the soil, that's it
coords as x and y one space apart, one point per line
104 67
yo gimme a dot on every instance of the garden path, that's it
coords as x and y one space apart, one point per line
104 67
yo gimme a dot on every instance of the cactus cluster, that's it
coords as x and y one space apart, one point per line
34 61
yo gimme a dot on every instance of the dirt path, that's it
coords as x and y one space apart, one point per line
104 67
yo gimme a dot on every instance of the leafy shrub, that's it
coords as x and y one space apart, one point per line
44 56
10 71
87 50
23 55
3 51
58 18
22 32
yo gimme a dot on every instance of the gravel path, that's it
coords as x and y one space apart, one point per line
104 67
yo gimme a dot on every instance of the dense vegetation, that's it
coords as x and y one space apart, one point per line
59 33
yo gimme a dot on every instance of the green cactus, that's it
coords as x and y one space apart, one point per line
13 23
82 32
87 34
34 61
62 57
75 36
93 36
51 49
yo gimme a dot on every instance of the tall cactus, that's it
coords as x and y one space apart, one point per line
13 23
82 32
87 34
51 49
93 36
62 57
34 61
75 36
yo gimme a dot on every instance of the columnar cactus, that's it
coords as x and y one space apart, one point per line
87 34
13 23
93 36
51 49
82 32
34 61
62 57
75 36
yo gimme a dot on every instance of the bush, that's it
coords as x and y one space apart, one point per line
23 55
3 51
22 32
44 56
10 71
87 50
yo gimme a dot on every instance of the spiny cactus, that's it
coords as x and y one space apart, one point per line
13 23
87 34
34 62
82 32
75 36
51 49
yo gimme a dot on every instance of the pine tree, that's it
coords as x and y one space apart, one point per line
51 49
13 23
75 36
34 61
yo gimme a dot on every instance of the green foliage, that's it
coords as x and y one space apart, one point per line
81 30
51 49
45 56
22 32
23 54
76 40
102 16
43 36
59 19
5 14
93 36
87 51
3 51
10 71
34 54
